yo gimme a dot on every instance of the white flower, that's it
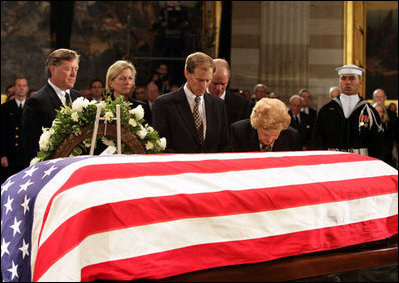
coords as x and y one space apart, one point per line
55 122
108 116
44 142
162 143
138 112
132 122
150 129
107 141
75 116
149 145
142 133
34 161
103 104
79 104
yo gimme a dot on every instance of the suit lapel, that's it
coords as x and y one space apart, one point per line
183 108
210 111
253 142
55 100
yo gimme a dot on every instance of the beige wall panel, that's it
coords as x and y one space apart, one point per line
326 41
325 56
325 27
246 9
322 71
246 22
245 41
325 11
245 29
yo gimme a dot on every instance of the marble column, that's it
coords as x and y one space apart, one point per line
284 42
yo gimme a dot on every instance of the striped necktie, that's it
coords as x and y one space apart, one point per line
266 147
198 121
68 99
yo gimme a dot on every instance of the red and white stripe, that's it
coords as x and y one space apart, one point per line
154 216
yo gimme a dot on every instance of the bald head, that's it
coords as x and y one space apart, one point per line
379 96
221 77
334 92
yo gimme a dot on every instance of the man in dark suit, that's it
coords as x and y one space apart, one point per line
267 130
306 101
12 150
39 110
238 108
192 120
300 121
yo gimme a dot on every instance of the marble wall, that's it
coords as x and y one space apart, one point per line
287 45
25 41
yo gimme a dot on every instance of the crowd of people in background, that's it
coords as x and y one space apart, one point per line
204 115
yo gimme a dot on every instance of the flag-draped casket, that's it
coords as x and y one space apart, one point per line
127 217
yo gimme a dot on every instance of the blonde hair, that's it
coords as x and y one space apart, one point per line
115 69
270 114
385 117
201 60
55 58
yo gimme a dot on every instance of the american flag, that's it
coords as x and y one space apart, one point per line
125 217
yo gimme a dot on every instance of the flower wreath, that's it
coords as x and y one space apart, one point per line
70 120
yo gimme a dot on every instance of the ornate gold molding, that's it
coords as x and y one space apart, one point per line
211 21
355 36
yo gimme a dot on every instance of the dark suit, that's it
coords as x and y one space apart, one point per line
244 138
312 113
11 139
39 112
304 127
238 107
173 119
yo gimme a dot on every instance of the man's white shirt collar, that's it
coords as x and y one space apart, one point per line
20 102
191 96
58 91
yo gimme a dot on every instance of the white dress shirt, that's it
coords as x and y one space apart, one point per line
59 92
20 103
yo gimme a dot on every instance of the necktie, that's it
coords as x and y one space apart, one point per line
266 147
198 120
68 99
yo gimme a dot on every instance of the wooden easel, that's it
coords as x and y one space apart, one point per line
118 128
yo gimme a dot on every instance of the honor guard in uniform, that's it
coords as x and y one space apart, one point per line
12 150
348 122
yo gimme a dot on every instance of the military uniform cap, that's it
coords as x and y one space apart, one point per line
350 69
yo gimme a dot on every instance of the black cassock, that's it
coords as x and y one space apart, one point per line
362 129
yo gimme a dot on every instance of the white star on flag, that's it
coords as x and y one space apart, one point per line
8 204
24 249
25 204
48 172
13 270
4 247
52 161
25 186
30 171
15 226
6 186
